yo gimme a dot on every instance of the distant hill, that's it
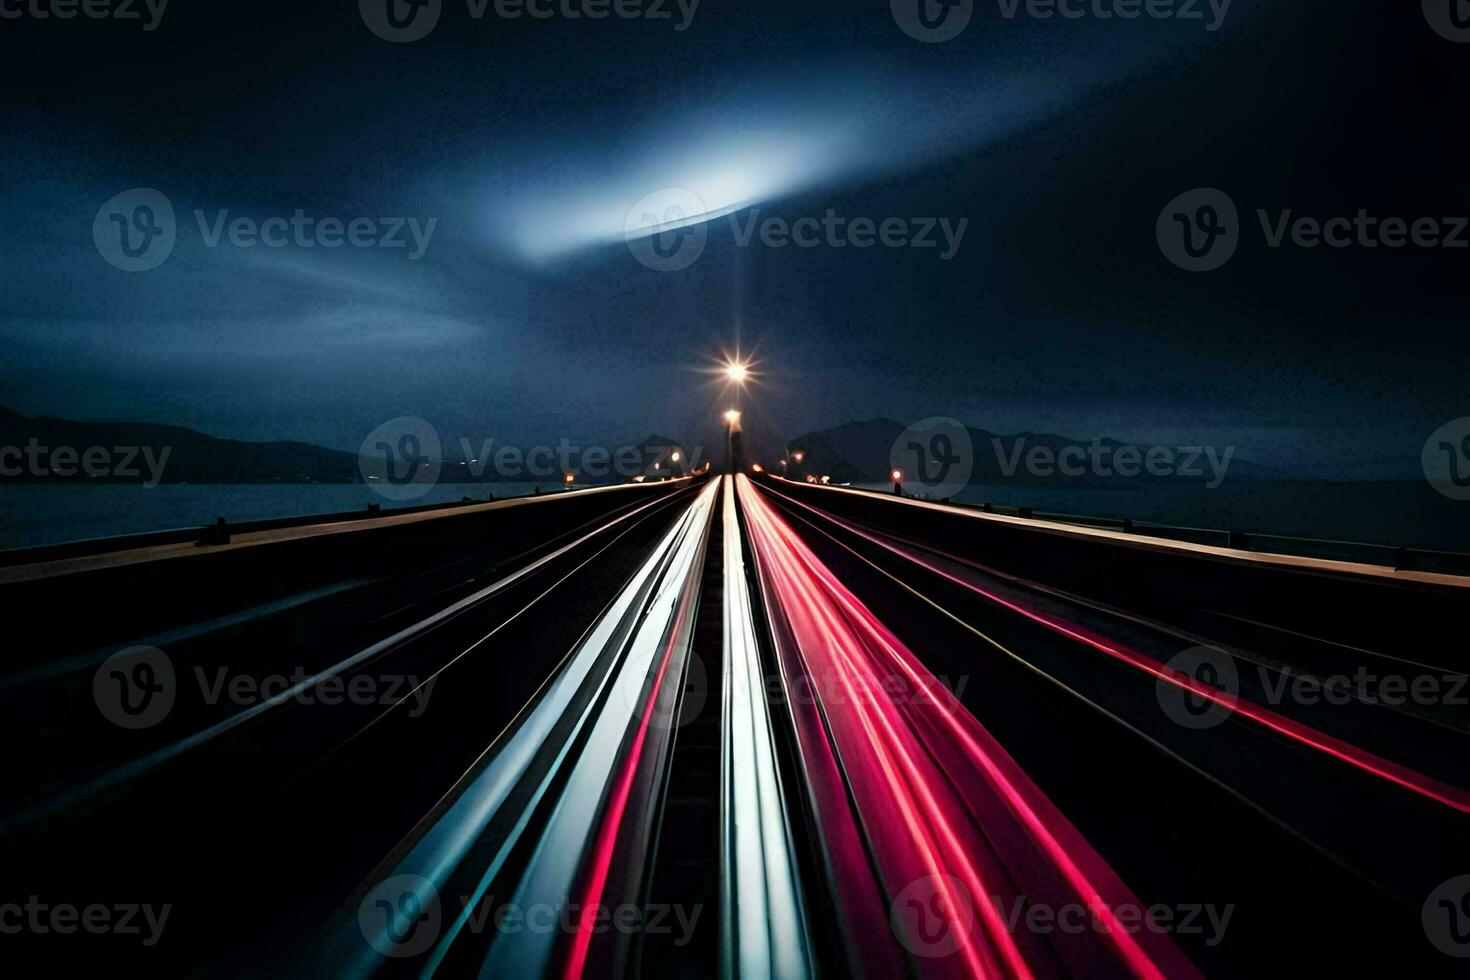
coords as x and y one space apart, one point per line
861 452
192 457
143 452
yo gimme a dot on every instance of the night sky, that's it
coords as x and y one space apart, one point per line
528 318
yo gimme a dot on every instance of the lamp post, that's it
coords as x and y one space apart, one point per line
732 427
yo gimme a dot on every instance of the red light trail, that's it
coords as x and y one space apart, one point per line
936 799
1362 759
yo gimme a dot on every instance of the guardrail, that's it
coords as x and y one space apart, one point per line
1389 556
222 531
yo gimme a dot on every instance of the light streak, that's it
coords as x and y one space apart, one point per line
764 926
1302 734
604 706
938 798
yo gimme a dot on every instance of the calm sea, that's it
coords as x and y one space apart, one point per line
35 514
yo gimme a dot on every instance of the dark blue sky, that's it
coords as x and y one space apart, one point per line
528 318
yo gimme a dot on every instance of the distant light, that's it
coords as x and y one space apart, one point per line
569 478
798 456
757 467
898 476
639 478
732 416
675 457
737 372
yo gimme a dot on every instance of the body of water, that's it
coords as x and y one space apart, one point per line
39 514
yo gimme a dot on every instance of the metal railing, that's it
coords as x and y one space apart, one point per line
1361 552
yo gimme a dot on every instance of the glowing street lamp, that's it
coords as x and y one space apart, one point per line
736 372
732 418
898 482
